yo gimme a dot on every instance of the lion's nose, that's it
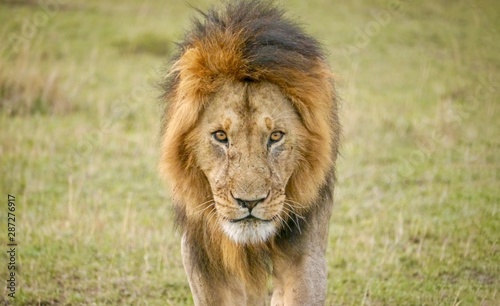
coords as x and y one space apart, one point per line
250 204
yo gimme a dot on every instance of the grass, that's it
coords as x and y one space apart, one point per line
417 201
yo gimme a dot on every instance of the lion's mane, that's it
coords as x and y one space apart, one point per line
249 41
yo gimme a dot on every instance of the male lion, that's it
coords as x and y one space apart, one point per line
249 146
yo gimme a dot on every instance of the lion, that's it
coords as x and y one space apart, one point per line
249 143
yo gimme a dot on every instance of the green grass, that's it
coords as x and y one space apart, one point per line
417 201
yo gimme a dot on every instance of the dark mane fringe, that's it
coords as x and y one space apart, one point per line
270 40
271 43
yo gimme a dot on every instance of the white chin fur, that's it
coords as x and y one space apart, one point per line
249 232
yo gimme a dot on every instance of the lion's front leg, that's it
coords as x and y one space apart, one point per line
207 290
301 281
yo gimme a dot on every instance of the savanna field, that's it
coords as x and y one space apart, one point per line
416 218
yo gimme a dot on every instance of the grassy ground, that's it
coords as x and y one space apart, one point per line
417 204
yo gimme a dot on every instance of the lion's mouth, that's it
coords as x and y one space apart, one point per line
249 218
249 229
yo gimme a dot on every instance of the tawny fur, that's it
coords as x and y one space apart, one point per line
231 48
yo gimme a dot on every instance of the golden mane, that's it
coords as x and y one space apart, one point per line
250 41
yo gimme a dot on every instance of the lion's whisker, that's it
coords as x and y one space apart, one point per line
295 203
211 215
288 211
204 203
290 208
204 209
284 222
295 221
294 211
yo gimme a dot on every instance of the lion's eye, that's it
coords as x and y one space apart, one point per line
276 136
220 136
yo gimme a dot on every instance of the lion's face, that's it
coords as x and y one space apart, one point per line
247 144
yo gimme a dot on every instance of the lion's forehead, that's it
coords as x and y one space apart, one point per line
248 106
